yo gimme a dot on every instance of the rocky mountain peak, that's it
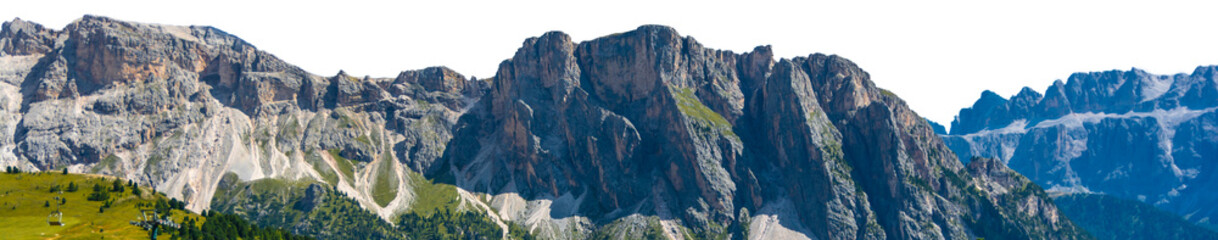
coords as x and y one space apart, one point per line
989 100
543 64
1206 71
1027 95
435 79
20 37
650 55
990 105
649 122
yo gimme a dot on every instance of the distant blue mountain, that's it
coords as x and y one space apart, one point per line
1128 134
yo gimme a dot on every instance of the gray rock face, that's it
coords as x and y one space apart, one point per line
648 122
1128 134
639 129
26 38
178 107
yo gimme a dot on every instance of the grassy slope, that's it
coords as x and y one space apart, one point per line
432 197
22 215
385 188
344 165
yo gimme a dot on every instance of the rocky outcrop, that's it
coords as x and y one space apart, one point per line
1128 134
1027 210
26 38
642 129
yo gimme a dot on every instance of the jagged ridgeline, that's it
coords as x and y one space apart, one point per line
640 134
1128 134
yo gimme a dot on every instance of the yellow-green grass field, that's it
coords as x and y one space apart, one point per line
23 214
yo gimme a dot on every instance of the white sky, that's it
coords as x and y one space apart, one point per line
937 55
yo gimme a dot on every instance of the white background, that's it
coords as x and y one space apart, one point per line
937 55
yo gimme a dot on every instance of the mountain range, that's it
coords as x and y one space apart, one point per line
1127 134
639 134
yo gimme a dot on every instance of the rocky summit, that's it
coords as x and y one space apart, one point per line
644 133
1127 134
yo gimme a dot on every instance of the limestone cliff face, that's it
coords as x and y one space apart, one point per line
611 136
648 122
1129 134
177 107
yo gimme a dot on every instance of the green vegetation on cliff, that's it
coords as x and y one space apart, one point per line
344 164
688 103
